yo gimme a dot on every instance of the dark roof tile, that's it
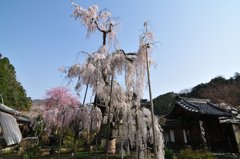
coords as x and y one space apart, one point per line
200 107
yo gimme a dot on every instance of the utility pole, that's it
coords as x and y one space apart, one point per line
2 98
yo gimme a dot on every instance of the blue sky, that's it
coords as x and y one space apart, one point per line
200 39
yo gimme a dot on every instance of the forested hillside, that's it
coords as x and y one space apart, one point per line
13 93
215 83
163 103
218 90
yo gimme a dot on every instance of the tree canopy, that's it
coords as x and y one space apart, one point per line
163 103
13 93
60 104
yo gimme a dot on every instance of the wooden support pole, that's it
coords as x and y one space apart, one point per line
86 91
152 110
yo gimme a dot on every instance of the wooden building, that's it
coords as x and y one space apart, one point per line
194 123
147 152
13 125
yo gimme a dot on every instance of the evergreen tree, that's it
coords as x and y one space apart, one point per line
163 103
13 93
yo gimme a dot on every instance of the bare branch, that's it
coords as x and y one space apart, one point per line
98 27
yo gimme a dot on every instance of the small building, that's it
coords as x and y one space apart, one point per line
147 152
13 125
194 123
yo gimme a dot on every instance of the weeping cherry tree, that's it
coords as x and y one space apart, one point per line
61 108
100 66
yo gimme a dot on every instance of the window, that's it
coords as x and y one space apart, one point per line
184 135
172 136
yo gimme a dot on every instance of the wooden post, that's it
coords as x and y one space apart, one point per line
136 136
152 110
86 91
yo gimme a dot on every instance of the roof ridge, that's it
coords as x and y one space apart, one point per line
9 110
191 104
186 101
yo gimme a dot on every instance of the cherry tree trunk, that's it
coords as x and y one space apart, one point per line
138 148
109 115
112 146
75 136
90 133
60 140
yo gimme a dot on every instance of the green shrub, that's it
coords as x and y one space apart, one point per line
25 156
197 154
168 153
64 146
68 138
32 151
101 148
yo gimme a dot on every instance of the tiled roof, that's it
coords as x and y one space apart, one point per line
200 107
15 113
145 103
23 118
9 110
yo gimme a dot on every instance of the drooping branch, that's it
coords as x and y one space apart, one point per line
126 54
88 53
